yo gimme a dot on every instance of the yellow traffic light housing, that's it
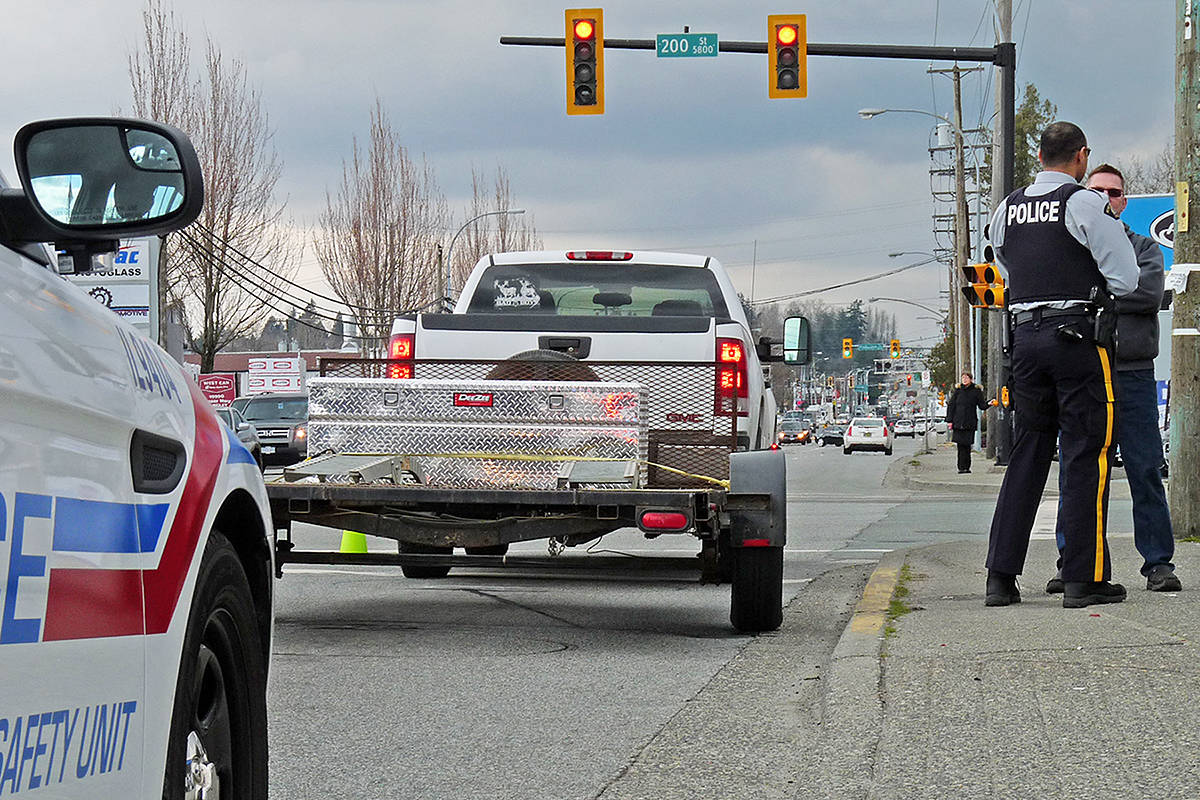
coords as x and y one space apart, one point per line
585 60
847 348
985 286
787 56
895 348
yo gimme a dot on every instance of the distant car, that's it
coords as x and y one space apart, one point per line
842 421
940 426
867 433
904 427
282 423
831 434
246 433
921 424
797 432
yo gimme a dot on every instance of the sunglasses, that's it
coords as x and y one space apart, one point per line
1109 192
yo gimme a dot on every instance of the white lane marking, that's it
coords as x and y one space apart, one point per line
844 550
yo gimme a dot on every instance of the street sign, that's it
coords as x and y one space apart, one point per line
686 45
870 346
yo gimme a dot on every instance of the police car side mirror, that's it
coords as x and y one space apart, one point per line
88 182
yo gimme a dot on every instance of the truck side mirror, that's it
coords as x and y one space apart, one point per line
797 341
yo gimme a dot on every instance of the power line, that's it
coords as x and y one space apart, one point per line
877 276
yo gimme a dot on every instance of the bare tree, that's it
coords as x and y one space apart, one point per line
224 116
1153 175
495 234
381 232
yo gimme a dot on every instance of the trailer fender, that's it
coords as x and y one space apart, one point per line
757 499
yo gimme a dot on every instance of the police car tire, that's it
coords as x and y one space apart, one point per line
423 571
756 594
223 673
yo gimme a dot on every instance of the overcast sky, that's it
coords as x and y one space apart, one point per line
690 155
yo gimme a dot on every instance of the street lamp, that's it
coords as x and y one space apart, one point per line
965 348
930 309
454 238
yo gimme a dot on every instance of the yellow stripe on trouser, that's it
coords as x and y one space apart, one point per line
1103 462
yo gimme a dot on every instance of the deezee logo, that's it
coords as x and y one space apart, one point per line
481 400
1162 230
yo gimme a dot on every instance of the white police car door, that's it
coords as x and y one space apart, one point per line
72 534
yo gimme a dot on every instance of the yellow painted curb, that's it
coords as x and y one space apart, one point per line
871 611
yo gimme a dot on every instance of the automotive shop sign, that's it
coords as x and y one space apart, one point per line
126 282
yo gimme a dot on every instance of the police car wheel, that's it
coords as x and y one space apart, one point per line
422 570
218 743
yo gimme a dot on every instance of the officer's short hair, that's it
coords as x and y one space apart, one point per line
1060 142
1107 169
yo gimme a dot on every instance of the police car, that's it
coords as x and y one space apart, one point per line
135 572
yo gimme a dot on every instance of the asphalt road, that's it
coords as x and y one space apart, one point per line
491 684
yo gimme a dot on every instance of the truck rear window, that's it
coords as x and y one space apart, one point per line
599 290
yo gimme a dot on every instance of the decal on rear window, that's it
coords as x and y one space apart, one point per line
516 293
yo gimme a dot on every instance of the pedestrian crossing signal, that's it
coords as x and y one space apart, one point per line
895 348
984 286
847 348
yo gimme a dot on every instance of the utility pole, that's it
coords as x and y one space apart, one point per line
1184 496
1000 420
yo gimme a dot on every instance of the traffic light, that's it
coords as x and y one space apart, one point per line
585 60
909 380
847 348
787 56
895 349
985 287
941 397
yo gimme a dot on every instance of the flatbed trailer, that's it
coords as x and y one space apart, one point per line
741 527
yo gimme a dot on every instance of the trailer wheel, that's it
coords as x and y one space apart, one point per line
756 597
423 570
488 550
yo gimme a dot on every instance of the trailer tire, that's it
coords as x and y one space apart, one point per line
488 550
756 596
423 571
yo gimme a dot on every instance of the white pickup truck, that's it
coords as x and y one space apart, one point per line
568 395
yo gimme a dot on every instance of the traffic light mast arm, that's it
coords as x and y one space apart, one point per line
987 55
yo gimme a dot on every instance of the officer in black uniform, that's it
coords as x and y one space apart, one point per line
1065 254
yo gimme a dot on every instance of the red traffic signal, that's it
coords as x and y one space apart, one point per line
787 56
585 60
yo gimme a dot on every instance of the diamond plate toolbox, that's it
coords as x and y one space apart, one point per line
481 434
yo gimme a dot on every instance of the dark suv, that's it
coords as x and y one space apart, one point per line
282 424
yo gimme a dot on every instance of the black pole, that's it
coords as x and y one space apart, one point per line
1007 63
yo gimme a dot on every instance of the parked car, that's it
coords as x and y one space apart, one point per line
904 427
867 433
246 433
282 423
921 425
831 434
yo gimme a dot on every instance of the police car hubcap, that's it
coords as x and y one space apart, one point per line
201 782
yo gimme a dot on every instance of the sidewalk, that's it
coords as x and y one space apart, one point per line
938 696
938 470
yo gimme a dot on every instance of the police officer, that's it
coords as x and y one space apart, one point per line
1064 253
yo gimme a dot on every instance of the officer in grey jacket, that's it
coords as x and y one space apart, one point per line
1137 401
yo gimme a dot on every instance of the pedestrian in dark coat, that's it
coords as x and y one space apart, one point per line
963 420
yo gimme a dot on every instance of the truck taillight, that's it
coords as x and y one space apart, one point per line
733 385
401 349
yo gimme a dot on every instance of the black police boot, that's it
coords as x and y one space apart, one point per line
1078 594
1162 578
1001 589
1055 584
